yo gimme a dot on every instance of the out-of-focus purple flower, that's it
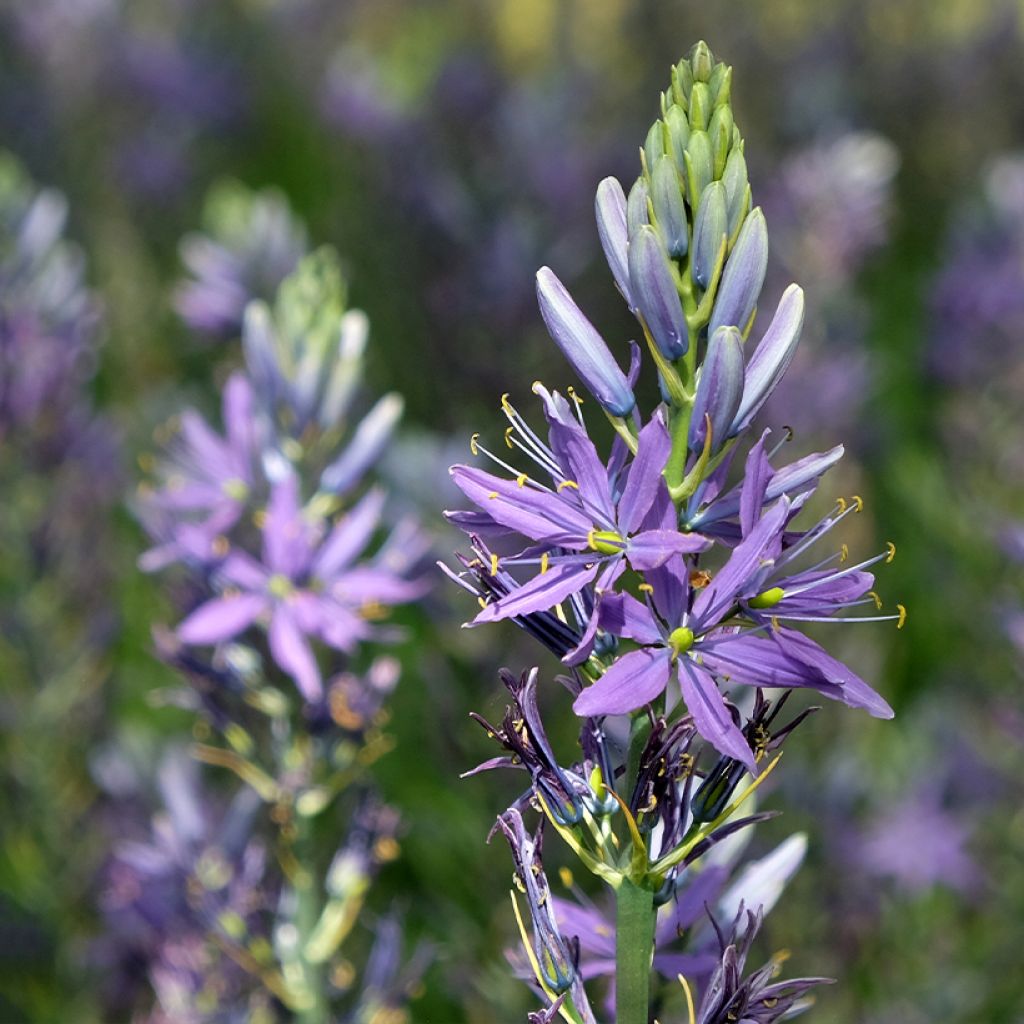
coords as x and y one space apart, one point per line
251 241
306 585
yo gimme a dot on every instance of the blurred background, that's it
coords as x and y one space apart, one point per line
447 150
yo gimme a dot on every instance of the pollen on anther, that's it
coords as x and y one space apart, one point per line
573 395
646 588
544 563
508 437
901 621
878 601
494 564
521 479
506 405
892 551
480 601
858 501
844 552
492 495
775 623
473 444
841 504
568 483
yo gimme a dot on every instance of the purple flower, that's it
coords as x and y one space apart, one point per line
725 631
584 532
305 586
209 474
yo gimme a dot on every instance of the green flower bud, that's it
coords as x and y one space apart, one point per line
737 190
699 166
702 62
678 137
682 83
654 145
700 105
720 131
637 213
720 84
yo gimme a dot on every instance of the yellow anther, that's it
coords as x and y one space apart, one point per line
566 876
536 386
494 564
508 437
892 551
878 601
568 483
646 588
775 623
544 563
473 444
844 552
841 503
521 479
858 501
506 405
572 394
492 495
699 579
480 601
560 612
901 621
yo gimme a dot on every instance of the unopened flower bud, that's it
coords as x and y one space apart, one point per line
669 210
700 165
580 343
719 389
637 213
678 137
654 290
737 189
743 275
709 229
610 210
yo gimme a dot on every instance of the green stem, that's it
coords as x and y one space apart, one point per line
315 1010
634 948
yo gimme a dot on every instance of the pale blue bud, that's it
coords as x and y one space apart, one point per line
654 291
580 343
669 211
743 275
719 389
610 210
710 227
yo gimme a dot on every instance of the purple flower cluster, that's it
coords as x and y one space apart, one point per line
292 562
666 582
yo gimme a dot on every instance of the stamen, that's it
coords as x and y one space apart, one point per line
472 444
521 479
902 620
841 503
492 495
858 502
844 552
892 551
645 588
544 563
506 405
494 564
508 436
876 598
568 483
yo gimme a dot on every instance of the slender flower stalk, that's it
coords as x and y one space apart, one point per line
293 565
674 580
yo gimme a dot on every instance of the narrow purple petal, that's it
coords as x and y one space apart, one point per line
544 591
221 618
539 515
240 418
631 682
651 548
368 442
747 559
711 715
595 932
644 480
756 474
292 652
573 445
349 537
286 548
623 615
